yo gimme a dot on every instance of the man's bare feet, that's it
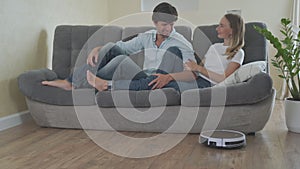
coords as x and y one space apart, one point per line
96 82
63 84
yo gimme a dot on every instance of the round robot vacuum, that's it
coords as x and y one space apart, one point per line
223 138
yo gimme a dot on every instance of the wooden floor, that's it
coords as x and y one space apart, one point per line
30 147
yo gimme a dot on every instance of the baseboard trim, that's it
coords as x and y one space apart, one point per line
14 120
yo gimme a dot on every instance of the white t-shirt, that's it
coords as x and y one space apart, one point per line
216 59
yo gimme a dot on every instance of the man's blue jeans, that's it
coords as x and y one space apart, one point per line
114 65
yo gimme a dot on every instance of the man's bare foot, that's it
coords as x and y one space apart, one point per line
63 84
96 82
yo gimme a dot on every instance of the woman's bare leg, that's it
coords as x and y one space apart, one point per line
63 84
96 82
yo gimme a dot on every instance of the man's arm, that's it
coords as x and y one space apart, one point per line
130 46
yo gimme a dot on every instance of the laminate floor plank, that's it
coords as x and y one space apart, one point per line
29 146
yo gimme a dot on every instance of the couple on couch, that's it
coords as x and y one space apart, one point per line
169 58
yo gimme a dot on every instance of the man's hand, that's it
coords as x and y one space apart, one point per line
93 56
160 81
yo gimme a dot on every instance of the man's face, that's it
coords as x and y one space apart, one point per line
164 28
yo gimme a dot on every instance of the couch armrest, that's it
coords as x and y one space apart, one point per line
27 80
256 89
30 85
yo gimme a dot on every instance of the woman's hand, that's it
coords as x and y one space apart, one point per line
93 56
192 66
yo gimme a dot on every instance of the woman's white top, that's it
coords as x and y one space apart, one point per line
216 59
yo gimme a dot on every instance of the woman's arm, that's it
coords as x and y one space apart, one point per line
210 74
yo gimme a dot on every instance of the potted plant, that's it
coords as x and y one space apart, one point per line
287 61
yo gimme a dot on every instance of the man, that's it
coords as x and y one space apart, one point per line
163 48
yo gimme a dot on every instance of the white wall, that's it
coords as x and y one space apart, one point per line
26 36
27 28
210 11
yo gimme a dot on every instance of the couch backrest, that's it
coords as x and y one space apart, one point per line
255 44
75 42
70 40
129 32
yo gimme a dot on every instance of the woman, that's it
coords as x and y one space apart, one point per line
220 61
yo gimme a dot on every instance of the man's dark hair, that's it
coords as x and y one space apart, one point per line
164 12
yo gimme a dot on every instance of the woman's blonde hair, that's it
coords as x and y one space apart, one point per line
238 32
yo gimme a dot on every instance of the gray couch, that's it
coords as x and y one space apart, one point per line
244 106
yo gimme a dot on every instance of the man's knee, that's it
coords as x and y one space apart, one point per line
116 50
121 58
106 48
108 53
109 45
110 50
175 51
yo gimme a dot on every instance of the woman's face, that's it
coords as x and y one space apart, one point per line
224 30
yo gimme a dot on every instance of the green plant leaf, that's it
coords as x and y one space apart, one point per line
286 60
285 21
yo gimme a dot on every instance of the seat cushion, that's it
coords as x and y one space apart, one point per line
256 89
143 98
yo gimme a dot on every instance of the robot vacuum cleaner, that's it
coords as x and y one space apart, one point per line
223 138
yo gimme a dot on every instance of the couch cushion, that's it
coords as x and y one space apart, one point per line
143 98
244 73
256 89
